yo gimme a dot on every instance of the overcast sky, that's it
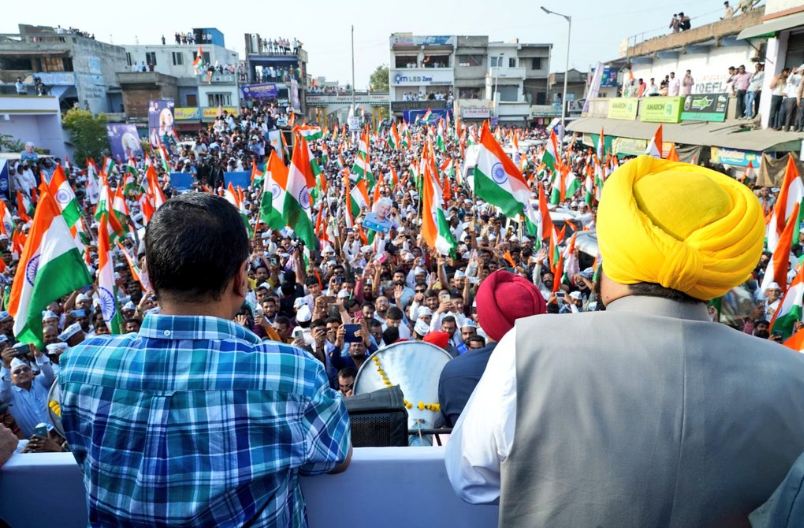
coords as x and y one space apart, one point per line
323 26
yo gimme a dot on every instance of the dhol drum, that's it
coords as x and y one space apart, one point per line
416 367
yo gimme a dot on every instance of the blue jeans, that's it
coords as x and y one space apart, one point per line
749 104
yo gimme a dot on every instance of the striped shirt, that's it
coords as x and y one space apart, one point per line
196 422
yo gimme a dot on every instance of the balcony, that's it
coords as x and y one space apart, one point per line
641 44
392 487
506 73
325 100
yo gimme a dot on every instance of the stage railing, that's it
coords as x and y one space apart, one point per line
384 486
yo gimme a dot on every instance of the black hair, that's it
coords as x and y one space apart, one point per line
390 335
449 319
347 372
477 338
651 289
318 323
374 323
311 281
394 313
194 245
333 320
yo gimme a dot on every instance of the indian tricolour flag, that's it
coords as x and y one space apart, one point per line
298 204
358 198
435 228
309 132
272 201
60 189
791 194
107 291
499 181
50 267
393 137
796 341
789 310
235 197
551 153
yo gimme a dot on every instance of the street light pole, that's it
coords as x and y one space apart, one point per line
566 68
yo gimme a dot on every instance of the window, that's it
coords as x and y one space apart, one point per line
541 98
508 93
192 100
470 60
536 63
205 54
495 61
219 99
512 62
52 64
128 58
178 58
150 58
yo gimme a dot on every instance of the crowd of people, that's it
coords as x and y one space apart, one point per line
278 45
392 284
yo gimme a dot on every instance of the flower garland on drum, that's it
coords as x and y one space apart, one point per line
434 407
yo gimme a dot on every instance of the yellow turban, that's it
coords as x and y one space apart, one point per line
679 225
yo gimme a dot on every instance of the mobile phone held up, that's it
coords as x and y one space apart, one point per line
350 333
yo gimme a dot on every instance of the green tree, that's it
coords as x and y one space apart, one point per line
87 133
378 82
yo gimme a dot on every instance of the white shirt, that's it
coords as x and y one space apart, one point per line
674 86
791 87
482 439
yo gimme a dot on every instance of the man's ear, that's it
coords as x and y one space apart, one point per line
240 280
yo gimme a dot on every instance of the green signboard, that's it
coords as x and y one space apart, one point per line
705 107
661 109
623 108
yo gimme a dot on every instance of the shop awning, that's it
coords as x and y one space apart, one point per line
730 134
771 27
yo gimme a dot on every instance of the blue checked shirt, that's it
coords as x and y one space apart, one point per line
196 422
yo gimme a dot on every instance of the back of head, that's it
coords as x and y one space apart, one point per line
194 246
502 299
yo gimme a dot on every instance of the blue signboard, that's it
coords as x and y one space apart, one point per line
259 91
237 179
181 181
411 115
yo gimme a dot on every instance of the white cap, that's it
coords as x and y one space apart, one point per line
303 314
421 328
423 311
460 274
343 294
418 270
47 314
56 348
773 286
81 298
17 363
70 331
468 323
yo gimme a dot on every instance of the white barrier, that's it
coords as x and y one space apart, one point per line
389 487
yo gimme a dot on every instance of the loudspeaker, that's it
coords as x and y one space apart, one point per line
379 418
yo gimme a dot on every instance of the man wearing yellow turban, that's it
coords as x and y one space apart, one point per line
646 414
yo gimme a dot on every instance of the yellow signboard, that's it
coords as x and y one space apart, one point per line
623 108
186 113
209 113
661 109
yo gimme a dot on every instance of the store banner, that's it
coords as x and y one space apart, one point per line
187 113
181 181
735 158
661 109
623 108
705 107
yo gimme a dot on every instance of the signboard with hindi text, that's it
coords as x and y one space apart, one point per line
661 109
209 113
705 107
187 113
735 158
623 108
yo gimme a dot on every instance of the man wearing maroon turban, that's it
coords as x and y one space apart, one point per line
501 299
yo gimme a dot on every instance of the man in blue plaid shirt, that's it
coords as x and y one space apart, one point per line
194 421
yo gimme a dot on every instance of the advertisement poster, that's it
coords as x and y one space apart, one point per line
124 141
736 158
661 109
160 120
261 91
623 108
705 107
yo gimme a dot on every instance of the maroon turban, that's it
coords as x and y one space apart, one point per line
502 299
439 339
